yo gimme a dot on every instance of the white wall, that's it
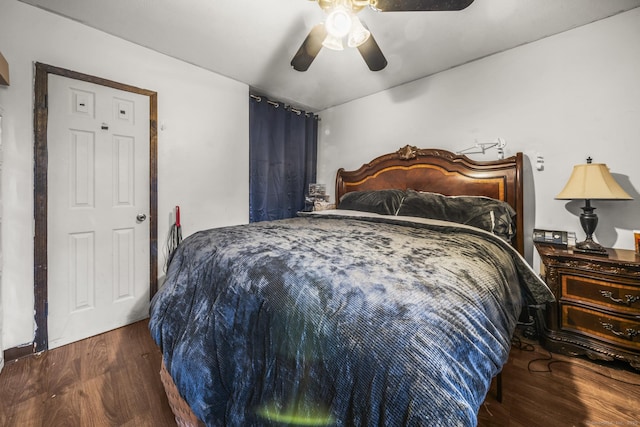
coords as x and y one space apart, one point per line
203 150
566 97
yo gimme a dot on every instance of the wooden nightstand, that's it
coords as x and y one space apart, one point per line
597 312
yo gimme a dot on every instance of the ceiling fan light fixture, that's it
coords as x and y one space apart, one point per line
338 22
333 43
358 34
342 22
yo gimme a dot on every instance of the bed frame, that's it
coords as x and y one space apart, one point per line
441 171
432 170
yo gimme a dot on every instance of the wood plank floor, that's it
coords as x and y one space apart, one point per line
112 380
545 389
107 380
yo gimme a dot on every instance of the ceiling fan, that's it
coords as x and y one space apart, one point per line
342 22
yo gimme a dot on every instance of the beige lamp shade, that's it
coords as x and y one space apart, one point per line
592 181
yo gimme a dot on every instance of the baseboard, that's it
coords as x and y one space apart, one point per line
19 352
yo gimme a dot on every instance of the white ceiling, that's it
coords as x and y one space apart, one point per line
253 41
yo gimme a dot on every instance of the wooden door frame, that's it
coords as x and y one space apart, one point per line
40 119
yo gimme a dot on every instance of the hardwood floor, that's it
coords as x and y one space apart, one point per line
107 380
545 389
112 380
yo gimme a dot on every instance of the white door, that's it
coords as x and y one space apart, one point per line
98 200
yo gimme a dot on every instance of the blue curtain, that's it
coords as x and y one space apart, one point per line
282 159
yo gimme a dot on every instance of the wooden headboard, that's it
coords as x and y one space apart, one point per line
440 171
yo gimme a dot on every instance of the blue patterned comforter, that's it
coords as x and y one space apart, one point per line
338 320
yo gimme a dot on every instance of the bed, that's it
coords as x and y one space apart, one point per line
396 308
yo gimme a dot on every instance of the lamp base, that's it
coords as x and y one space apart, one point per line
590 247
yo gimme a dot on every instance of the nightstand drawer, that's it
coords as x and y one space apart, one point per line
622 331
597 307
614 295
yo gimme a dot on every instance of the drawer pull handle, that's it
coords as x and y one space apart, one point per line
629 333
630 299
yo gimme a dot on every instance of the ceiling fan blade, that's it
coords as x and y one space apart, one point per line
309 48
419 5
372 54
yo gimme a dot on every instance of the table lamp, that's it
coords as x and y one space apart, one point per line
591 181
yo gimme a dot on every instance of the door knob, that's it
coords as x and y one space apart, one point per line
141 217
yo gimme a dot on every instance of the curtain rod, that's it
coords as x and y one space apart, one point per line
288 107
259 99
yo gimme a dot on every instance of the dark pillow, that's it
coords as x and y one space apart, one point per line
384 202
486 213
